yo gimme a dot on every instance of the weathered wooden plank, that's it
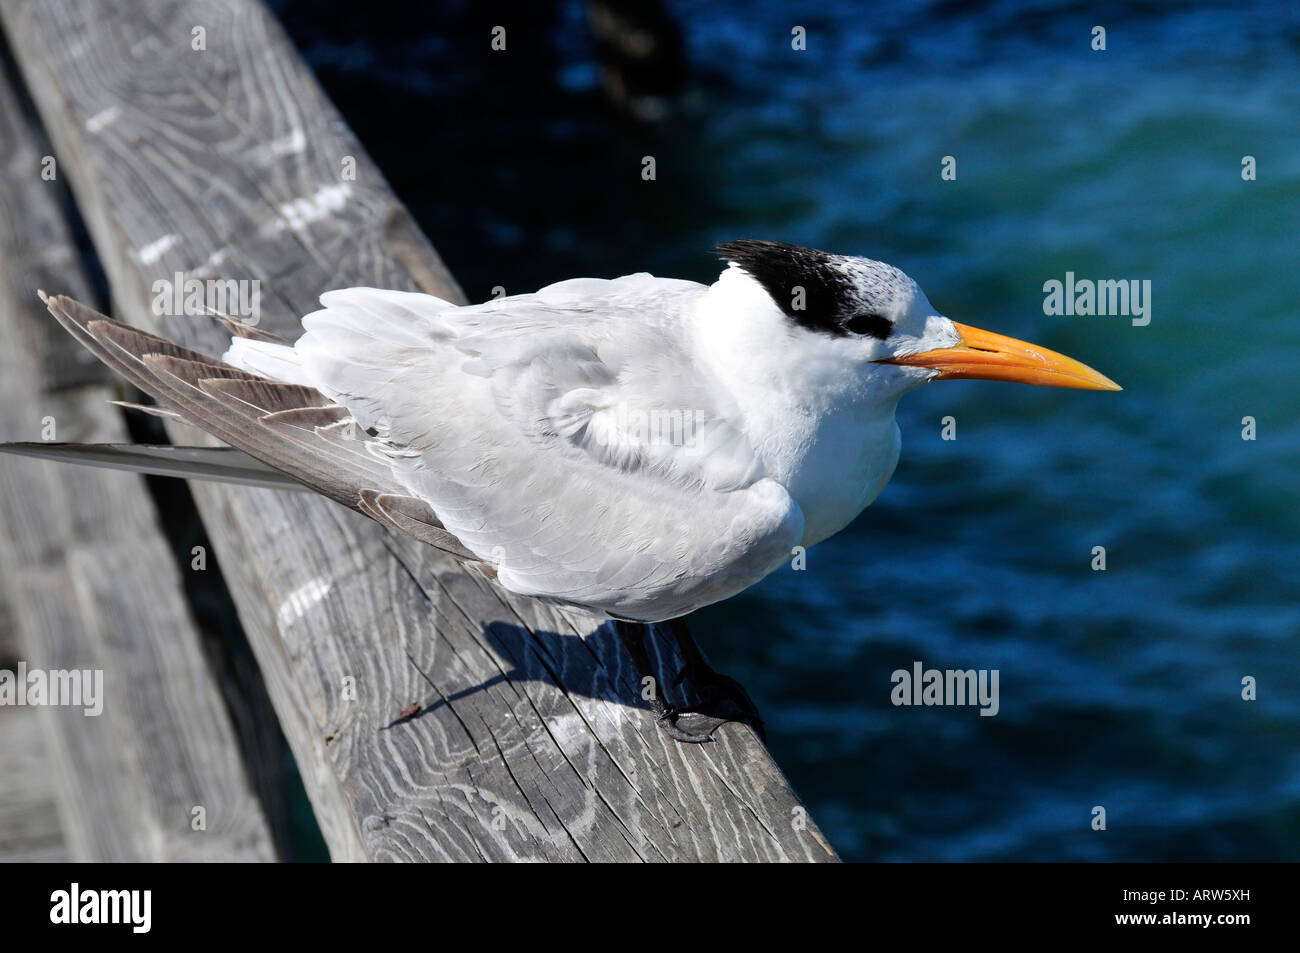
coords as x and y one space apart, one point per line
91 586
530 744
30 831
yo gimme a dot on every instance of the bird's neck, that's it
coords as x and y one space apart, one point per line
819 428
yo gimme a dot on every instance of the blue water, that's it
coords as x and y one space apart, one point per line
1120 688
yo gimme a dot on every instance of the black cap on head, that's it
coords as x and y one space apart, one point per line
814 288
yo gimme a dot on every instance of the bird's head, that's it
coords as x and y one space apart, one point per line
843 310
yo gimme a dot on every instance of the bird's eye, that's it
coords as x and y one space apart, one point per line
876 325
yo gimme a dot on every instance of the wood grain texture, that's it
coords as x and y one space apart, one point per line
91 585
530 742
30 831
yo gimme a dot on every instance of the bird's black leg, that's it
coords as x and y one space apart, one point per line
633 636
714 687
723 699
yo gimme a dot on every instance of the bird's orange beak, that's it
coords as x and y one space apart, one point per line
983 355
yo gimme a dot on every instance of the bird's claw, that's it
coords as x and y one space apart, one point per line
722 699
668 722
721 693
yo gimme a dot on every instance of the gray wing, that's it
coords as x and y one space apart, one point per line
565 437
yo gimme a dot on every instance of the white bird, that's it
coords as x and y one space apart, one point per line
639 446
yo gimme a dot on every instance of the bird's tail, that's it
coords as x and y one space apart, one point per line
280 434
222 464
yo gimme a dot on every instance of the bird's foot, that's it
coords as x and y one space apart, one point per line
722 699
686 726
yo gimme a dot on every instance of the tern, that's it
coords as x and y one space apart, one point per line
638 446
